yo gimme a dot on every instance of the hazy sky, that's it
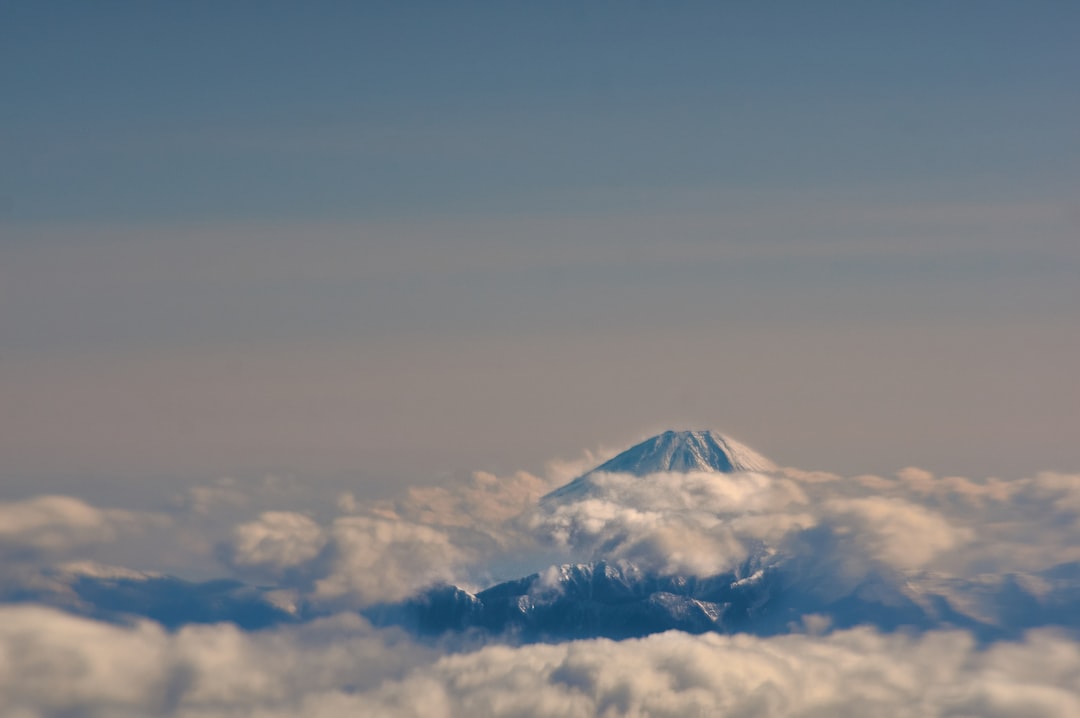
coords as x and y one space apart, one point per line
367 243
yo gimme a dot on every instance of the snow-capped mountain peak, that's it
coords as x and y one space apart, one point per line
686 451
677 451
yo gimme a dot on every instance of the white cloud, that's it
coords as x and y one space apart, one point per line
939 531
1062 489
697 523
63 525
275 542
902 534
380 559
54 664
850 673
466 531
484 502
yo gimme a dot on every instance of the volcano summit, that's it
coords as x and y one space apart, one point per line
675 452
694 531
613 596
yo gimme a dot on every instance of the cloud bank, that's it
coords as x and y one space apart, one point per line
344 553
53 664
1001 552
57 525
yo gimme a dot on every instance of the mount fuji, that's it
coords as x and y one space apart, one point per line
674 452
771 591
618 599
812 576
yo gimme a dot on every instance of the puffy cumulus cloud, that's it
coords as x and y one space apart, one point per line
853 673
373 558
383 550
915 521
1063 491
957 525
351 562
695 523
61 525
47 542
484 502
914 526
964 526
953 532
52 664
259 527
899 533
274 543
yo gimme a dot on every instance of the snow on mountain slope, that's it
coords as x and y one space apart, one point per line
717 539
618 600
675 451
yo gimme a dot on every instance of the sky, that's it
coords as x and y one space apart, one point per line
305 307
375 244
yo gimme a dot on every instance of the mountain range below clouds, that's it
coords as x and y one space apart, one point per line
771 592
812 578
602 600
120 596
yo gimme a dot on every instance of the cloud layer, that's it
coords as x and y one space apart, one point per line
341 552
58 525
1000 552
53 664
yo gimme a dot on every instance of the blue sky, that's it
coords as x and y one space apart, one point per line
265 111
364 241
200 112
